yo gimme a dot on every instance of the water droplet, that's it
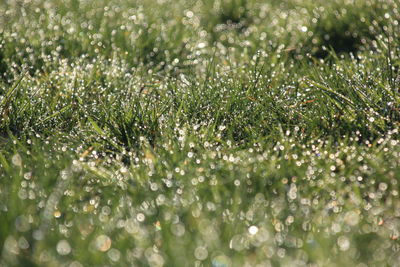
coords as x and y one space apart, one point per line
154 259
292 194
28 175
131 226
383 186
178 229
103 243
343 243
351 218
63 247
262 235
253 230
238 243
281 252
140 217
11 245
114 254
23 243
201 253
16 160
106 210
38 234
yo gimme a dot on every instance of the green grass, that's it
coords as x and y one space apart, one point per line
199 133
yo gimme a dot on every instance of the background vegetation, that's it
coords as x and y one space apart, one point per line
199 133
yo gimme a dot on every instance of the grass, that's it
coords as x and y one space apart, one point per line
199 133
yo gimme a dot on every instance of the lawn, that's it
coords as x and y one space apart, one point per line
199 133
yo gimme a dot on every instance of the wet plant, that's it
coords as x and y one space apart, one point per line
199 133
346 27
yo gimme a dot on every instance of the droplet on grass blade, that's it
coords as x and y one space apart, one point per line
253 230
238 243
201 253
23 243
343 243
63 247
16 160
114 254
351 218
11 245
178 229
103 243
140 217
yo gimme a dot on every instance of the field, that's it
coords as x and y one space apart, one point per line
199 133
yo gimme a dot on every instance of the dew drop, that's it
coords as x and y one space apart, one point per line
178 229
253 230
11 245
63 247
238 243
16 160
140 217
114 254
201 253
23 243
343 243
351 218
103 243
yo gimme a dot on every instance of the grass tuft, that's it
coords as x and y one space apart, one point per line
199 133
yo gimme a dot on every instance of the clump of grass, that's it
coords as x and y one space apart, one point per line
219 17
345 27
228 12
233 11
132 123
160 133
138 36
